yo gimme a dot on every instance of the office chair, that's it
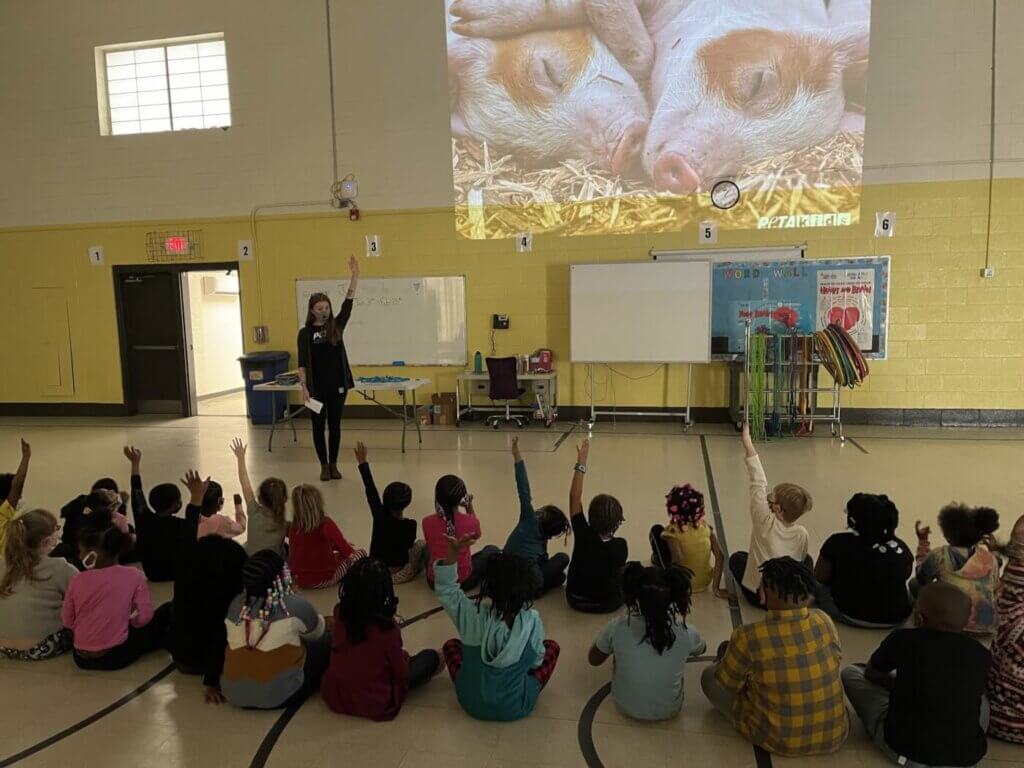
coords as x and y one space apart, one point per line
504 386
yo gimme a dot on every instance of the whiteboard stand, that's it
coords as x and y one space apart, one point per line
687 421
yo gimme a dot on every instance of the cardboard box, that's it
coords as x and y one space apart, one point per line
443 409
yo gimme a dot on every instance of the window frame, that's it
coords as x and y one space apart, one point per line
103 90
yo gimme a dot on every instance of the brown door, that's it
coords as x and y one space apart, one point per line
152 341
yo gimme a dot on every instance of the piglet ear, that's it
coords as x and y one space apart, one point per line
851 43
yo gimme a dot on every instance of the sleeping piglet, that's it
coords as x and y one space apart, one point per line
547 96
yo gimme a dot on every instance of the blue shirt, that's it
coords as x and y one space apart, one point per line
646 685
525 539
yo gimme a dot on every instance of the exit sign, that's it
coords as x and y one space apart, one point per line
176 244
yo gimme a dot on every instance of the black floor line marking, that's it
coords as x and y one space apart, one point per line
858 446
565 436
420 616
81 724
585 727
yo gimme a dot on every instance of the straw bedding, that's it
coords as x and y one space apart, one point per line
496 197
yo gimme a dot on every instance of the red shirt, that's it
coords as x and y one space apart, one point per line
314 556
368 679
434 531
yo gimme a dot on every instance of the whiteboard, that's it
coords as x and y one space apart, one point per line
418 320
640 312
720 255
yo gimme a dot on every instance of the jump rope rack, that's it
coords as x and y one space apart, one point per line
781 386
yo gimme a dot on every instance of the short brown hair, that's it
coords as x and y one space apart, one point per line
605 514
794 500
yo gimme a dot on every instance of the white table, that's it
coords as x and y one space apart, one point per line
368 389
543 385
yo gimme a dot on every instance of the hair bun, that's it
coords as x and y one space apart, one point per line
986 520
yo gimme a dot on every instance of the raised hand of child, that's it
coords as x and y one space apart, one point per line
457 545
583 452
748 443
923 531
515 449
238 448
196 486
26 450
133 454
361 452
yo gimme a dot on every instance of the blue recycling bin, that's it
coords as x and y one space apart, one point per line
262 368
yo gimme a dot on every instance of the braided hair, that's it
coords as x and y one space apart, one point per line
449 493
660 596
266 582
873 516
508 584
366 596
685 505
791 580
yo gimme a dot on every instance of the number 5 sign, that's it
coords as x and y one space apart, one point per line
707 233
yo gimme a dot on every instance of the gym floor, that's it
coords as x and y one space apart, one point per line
52 714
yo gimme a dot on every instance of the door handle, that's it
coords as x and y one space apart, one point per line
150 348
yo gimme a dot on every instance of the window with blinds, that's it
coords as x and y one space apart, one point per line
165 86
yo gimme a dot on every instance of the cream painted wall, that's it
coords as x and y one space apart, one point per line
216 322
928 116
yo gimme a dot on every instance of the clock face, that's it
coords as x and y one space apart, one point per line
725 194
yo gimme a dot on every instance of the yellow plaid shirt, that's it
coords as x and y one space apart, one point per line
785 671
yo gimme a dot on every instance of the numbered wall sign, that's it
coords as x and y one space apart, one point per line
372 245
524 242
96 255
707 233
245 250
885 224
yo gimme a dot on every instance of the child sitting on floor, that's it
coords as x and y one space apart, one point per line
107 607
32 590
267 524
598 556
163 538
451 496
318 554
966 562
921 696
278 647
393 539
213 523
777 681
501 661
11 488
689 541
529 539
1006 680
370 673
651 643
774 531
209 579
864 571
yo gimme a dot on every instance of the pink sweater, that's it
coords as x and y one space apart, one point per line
434 531
100 605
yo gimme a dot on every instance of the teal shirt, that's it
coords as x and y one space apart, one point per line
646 685
525 539
493 683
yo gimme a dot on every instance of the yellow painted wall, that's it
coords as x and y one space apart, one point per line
956 340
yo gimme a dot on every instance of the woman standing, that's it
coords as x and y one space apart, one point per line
324 370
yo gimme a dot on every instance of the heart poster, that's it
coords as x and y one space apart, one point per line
846 298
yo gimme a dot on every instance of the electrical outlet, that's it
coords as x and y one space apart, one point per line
499 322
987 272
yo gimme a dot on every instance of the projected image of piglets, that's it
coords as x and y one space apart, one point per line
547 96
731 81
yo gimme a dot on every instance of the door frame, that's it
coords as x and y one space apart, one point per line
176 270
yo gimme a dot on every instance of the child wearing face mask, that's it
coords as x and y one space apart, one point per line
32 589
11 487
108 608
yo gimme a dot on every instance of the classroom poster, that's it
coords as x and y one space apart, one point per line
846 298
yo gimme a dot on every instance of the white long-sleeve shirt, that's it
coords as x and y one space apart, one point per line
769 536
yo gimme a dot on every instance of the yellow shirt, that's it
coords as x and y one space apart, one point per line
6 515
691 549
785 671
